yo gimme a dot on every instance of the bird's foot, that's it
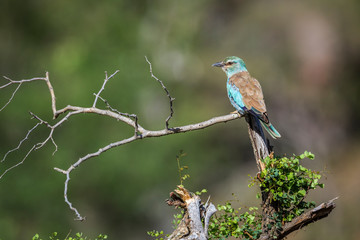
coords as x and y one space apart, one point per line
237 112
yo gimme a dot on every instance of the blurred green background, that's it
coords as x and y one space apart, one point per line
306 54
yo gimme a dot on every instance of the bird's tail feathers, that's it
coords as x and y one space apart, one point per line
271 130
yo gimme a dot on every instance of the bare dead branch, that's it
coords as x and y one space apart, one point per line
147 134
78 216
77 110
11 98
40 120
39 144
35 146
129 119
103 86
167 93
191 225
50 137
20 82
319 212
52 93
81 160
210 210
123 114
21 142
19 163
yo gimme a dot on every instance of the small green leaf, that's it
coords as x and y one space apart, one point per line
36 237
302 192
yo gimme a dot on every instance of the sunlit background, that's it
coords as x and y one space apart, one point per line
306 55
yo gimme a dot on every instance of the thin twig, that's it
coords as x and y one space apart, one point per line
167 93
103 86
19 163
40 120
68 234
78 216
11 98
52 128
81 160
20 81
52 93
122 114
21 142
35 146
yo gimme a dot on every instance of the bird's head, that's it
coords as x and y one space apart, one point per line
231 65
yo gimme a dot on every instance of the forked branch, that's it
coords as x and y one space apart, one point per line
129 119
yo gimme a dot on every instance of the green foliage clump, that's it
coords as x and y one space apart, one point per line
288 183
177 219
158 235
78 236
284 180
230 223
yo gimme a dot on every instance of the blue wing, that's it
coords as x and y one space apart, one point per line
255 102
236 98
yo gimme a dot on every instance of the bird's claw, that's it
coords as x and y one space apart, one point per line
237 112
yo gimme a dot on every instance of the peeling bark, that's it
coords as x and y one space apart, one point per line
259 143
191 225
320 212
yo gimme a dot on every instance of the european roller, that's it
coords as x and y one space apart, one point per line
245 92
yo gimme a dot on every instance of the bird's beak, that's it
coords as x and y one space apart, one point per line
218 64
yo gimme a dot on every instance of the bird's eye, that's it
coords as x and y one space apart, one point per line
230 63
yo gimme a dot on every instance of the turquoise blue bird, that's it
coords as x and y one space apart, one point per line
245 92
